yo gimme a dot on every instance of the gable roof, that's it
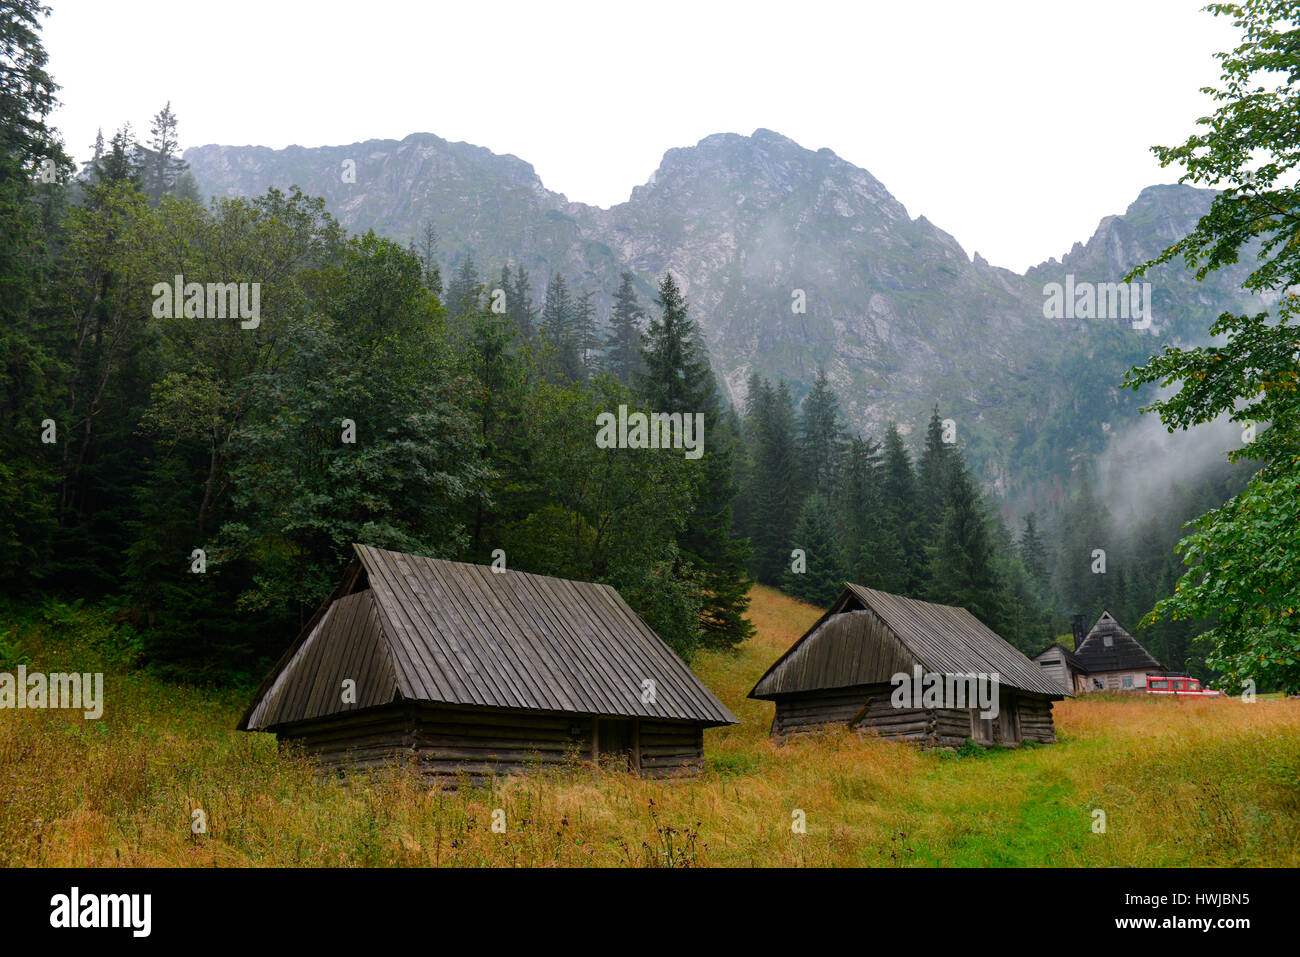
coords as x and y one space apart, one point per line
460 634
1070 657
1125 653
868 636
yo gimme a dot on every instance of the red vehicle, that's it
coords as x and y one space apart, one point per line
1179 685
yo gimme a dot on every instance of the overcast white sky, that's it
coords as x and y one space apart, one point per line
1015 126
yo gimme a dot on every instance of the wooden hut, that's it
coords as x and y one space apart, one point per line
1112 659
470 672
842 672
1064 667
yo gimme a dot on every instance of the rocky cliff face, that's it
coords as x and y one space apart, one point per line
754 227
794 259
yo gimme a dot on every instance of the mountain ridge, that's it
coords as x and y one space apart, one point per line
897 311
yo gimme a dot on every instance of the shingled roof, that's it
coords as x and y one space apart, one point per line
1124 653
868 636
421 629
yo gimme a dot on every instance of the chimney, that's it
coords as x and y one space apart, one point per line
1080 631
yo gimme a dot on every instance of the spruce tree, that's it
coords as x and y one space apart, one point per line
428 254
677 376
747 460
623 342
898 489
503 285
121 163
774 493
822 576
583 333
872 553
91 167
710 541
187 187
557 325
1019 616
1086 549
28 489
557 309
1033 554
821 438
962 569
27 91
163 165
521 305
495 367
464 292
678 379
932 479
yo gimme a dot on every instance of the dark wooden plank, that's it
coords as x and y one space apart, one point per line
468 637
538 679
588 677
686 694
414 678
430 672
677 691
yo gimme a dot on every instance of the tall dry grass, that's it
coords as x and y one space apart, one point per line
1180 783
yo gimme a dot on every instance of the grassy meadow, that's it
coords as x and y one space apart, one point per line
1181 783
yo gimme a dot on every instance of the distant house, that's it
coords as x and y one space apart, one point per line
1111 659
1064 667
842 671
464 671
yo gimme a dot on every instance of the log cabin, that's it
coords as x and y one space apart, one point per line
469 672
843 672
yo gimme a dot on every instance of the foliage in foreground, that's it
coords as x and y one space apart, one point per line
1244 556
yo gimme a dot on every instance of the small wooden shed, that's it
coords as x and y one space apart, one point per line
841 672
471 672
1064 666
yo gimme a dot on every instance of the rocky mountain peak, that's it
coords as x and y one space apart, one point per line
792 259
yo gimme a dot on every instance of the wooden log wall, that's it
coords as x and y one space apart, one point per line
952 727
1036 719
671 749
807 711
482 741
898 724
869 709
474 744
367 739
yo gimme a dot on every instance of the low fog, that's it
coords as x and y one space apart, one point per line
1143 461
